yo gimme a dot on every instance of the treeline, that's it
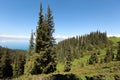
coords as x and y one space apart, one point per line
87 45
82 45
9 61
13 53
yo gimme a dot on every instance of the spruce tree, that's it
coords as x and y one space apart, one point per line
93 59
68 60
50 26
118 52
31 46
19 66
6 65
51 55
44 57
109 55
112 54
39 32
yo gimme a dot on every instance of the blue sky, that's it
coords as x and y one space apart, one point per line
71 17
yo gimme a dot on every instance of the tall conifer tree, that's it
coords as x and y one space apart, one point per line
39 43
31 46
45 43
50 26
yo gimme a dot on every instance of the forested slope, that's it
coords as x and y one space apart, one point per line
83 45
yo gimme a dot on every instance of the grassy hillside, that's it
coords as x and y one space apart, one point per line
83 71
108 71
114 40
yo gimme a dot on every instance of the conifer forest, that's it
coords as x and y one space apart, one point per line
93 56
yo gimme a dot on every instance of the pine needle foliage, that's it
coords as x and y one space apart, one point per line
43 59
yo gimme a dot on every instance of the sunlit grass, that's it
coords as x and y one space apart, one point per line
114 39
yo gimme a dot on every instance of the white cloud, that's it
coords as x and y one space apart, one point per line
4 38
3 41
60 37
13 38
63 36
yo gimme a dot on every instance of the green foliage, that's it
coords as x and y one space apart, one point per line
43 60
48 64
82 45
117 77
68 60
0 68
79 67
18 66
101 61
37 64
93 59
98 53
6 68
32 64
39 32
11 62
67 67
31 46
118 52
118 55
109 55
114 40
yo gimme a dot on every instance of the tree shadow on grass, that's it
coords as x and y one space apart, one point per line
64 77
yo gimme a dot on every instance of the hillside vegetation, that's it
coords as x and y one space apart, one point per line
91 56
80 65
82 70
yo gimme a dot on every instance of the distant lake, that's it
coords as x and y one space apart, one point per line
15 45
